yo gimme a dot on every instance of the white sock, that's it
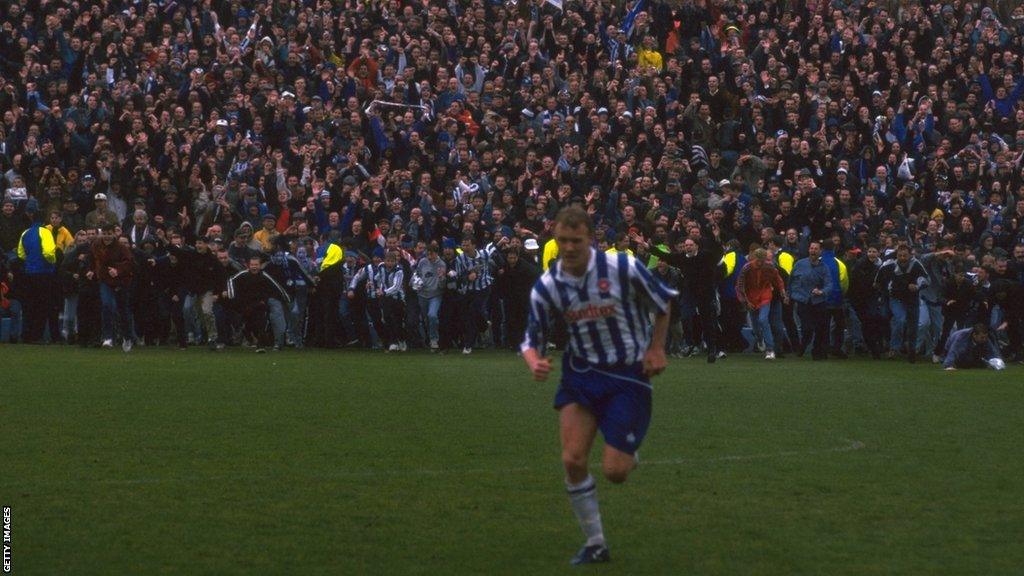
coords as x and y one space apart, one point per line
583 497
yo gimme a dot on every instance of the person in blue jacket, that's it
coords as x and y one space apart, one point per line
38 252
835 313
809 286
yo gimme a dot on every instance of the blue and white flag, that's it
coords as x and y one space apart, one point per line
555 3
627 23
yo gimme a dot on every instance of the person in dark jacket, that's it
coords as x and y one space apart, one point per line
324 306
957 298
253 290
113 267
1008 294
67 276
146 293
867 302
296 279
521 276
208 276
698 266
902 279
173 275
12 224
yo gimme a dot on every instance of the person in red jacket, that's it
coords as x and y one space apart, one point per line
113 267
757 284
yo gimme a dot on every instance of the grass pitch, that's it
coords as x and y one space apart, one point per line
166 462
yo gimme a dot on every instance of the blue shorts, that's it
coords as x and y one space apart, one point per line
619 397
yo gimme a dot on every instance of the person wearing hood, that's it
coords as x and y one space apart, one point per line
324 304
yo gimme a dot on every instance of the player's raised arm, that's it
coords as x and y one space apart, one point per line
537 326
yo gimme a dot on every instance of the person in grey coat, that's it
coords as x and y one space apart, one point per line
939 267
430 274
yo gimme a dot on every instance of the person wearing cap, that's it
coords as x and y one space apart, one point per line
70 215
101 215
268 234
531 251
113 267
241 248
38 252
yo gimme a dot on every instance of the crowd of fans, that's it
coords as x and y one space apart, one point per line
385 172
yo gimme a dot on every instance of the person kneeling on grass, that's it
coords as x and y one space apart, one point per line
972 348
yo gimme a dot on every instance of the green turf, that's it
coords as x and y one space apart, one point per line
165 462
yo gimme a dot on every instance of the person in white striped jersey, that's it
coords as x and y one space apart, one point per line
473 268
614 348
392 298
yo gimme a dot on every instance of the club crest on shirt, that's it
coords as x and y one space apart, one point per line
604 285
590 312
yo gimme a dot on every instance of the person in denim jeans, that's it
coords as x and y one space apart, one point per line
113 266
431 270
756 286
939 266
903 279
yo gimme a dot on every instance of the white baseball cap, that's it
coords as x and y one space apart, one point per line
531 244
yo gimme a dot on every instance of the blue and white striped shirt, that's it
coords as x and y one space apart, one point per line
481 264
607 311
390 281
370 274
